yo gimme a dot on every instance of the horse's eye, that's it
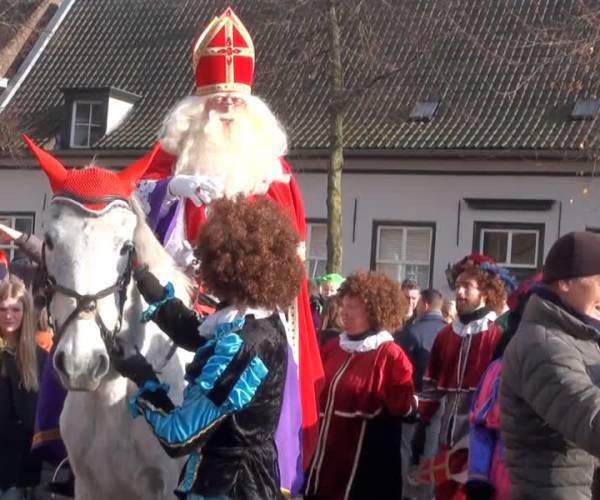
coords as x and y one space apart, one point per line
48 242
126 248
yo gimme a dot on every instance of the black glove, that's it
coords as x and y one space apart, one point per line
148 284
414 417
134 367
479 490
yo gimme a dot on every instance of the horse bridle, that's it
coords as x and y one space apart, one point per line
88 304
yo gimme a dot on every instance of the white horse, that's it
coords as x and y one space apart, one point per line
88 254
112 455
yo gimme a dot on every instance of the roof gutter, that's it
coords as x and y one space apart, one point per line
455 154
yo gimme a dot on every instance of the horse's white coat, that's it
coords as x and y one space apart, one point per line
114 457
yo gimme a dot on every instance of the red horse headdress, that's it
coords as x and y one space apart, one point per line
224 56
94 188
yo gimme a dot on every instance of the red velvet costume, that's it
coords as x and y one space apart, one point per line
368 387
459 357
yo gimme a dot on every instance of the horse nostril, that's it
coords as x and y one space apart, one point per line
59 361
101 366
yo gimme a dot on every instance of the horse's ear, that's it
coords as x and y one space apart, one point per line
54 169
130 175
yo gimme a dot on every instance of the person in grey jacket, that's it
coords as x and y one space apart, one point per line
417 340
550 390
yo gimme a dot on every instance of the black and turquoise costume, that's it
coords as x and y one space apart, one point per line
230 410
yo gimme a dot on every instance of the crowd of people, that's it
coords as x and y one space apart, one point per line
507 389
492 393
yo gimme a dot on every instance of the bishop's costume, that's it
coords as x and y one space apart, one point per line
224 62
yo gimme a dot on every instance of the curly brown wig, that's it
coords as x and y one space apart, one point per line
490 284
384 301
248 253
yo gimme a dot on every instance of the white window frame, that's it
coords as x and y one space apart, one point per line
10 248
309 228
512 232
404 227
89 102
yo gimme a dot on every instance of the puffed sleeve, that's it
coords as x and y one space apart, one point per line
396 388
227 383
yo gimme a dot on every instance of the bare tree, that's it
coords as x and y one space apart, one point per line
336 142
340 39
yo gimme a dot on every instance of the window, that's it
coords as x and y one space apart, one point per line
423 111
316 249
404 250
584 108
24 222
87 123
516 246
93 112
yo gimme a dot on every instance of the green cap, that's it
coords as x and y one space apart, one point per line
335 278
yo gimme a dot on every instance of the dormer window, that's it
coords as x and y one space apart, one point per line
93 113
585 108
423 111
87 123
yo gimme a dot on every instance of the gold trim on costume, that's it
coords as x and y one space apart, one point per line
242 88
294 329
42 436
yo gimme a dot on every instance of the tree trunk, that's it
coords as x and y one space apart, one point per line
336 145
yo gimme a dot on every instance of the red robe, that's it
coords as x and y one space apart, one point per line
368 388
287 196
456 365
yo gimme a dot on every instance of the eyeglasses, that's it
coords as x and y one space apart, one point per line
221 100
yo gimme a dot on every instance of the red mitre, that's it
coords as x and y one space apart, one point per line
224 56
94 188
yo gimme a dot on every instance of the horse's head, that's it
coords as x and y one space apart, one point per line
87 258
88 249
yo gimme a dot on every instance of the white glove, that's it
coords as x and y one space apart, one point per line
199 189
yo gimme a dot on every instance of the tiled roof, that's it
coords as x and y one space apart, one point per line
499 89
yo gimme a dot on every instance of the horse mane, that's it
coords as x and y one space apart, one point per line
151 253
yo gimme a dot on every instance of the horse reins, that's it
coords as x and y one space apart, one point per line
88 304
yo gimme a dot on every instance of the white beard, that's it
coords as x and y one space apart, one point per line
244 153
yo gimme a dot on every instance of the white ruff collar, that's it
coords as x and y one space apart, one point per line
474 327
227 315
371 343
